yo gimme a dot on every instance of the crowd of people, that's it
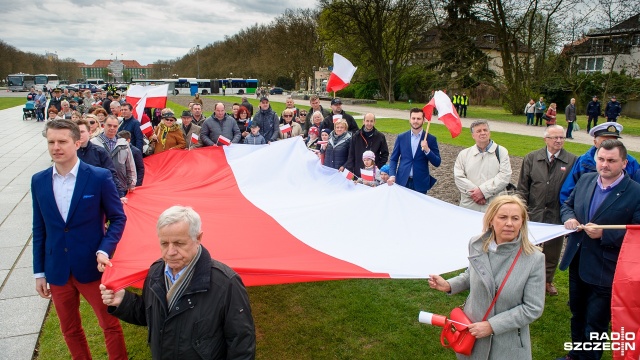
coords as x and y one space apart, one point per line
556 187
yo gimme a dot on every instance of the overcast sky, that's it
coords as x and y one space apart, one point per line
143 30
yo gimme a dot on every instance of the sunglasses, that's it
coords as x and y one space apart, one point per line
92 122
170 120
303 114
287 115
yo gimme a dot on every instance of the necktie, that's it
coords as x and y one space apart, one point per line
552 159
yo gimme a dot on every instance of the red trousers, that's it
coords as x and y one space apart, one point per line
66 299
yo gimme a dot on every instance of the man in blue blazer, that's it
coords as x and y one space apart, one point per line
608 197
71 203
409 162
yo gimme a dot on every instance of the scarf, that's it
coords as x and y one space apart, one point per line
164 130
175 290
335 140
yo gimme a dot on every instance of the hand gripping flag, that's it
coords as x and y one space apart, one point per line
342 73
446 112
147 96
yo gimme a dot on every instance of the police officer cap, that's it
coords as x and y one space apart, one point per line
606 129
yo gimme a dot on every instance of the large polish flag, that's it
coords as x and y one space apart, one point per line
342 73
446 112
262 234
147 96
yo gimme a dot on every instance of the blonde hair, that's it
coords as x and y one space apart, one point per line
495 205
341 122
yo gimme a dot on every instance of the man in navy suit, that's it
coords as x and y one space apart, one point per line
409 162
71 203
608 197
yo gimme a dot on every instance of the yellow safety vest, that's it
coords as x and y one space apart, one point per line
464 100
455 100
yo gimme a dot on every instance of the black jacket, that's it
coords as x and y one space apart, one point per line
327 123
212 319
593 108
99 157
361 142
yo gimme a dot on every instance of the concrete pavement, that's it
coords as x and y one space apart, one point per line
23 152
631 142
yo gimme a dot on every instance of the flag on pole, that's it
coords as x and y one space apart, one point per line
146 96
366 174
194 138
446 112
147 129
347 174
223 140
342 73
286 128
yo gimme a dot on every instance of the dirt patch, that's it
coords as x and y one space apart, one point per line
445 189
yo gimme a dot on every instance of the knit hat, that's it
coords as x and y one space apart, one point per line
369 155
384 169
326 130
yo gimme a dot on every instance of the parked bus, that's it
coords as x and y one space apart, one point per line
20 82
47 81
238 86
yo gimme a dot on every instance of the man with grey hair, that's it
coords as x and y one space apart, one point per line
219 124
194 307
482 171
542 174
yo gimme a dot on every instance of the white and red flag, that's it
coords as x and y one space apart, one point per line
286 128
223 140
194 138
446 112
294 251
366 174
347 174
336 117
147 96
342 73
147 129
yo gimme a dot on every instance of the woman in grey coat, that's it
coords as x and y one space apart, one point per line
505 334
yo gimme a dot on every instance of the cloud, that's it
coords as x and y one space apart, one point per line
142 30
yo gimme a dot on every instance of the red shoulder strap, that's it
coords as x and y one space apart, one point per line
495 298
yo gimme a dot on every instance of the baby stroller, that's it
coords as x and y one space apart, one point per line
29 110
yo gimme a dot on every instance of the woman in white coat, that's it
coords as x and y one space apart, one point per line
505 333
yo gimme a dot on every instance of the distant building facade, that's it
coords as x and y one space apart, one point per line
115 70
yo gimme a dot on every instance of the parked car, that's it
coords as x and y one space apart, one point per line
276 90
83 87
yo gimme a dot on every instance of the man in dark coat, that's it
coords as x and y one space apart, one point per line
314 101
593 111
612 110
608 197
268 120
193 306
367 138
337 112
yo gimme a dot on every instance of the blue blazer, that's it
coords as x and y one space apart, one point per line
422 181
62 248
598 258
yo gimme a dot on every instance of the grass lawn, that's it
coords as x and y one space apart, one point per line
631 125
9 102
352 319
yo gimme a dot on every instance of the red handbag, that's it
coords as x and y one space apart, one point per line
455 332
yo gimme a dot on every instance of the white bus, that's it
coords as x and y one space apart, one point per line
238 86
48 81
96 82
20 82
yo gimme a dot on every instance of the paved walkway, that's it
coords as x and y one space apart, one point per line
23 152
631 142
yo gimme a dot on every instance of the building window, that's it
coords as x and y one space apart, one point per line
636 40
490 38
586 65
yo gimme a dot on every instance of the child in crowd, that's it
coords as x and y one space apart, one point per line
369 159
255 138
312 140
384 173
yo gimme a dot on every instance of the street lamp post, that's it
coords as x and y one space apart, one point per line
390 83
198 59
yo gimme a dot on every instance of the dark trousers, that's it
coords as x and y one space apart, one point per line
538 119
530 118
590 310
551 250
463 110
569 129
595 121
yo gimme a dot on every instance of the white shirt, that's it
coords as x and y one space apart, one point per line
63 188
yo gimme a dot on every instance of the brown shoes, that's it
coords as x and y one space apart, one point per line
551 290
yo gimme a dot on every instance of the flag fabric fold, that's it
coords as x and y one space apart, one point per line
446 112
141 97
290 250
342 73
147 129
